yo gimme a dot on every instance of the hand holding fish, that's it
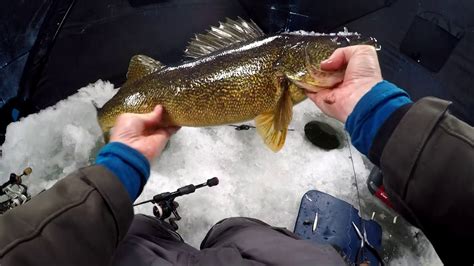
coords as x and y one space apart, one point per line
143 132
362 73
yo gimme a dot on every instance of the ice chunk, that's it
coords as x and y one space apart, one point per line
57 140
345 33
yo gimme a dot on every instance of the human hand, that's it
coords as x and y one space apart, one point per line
145 133
362 73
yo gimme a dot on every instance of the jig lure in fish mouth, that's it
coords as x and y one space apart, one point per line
236 73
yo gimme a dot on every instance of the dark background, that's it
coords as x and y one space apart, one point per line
49 48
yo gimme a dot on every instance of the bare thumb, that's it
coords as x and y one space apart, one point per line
153 118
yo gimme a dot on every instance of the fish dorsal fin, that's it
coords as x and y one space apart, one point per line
227 33
140 66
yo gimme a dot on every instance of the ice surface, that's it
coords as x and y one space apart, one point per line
254 181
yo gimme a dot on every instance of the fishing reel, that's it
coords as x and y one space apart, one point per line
164 204
13 193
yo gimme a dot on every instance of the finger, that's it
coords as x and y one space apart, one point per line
335 62
172 130
163 119
321 98
339 58
152 119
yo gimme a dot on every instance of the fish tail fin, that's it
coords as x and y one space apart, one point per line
273 126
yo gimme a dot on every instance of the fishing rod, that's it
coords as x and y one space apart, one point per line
247 127
165 204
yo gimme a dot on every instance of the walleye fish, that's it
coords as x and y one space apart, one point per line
236 74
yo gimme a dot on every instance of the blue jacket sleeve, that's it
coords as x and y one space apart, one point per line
129 165
373 109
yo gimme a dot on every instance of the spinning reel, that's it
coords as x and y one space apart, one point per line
165 206
13 193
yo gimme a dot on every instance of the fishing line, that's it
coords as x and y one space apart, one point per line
355 175
362 225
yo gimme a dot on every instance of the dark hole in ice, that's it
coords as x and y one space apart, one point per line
322 135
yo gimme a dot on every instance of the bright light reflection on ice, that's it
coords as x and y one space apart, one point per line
254 181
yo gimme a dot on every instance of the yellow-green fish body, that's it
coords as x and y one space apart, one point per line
258 77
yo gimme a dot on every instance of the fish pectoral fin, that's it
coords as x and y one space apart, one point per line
217 38
142 65
273 126
274 139
284 110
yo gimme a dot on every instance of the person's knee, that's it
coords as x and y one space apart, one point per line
233 222
228 228
146 226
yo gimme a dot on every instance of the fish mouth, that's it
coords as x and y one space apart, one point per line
314 79
305 81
